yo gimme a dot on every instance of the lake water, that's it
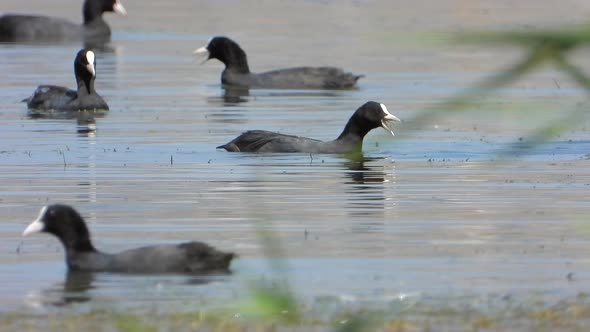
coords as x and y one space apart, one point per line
431 212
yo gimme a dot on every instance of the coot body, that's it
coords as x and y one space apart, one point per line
69 227
369 116
237 71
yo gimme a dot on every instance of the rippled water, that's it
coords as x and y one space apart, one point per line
426 213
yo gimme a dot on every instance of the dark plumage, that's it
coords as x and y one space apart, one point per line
69 227
51 97
237 72
367 117
31 28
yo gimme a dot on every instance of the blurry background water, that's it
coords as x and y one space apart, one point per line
426 213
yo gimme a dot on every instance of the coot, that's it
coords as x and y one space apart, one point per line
58 98
367 117
68 226
237 72
31 28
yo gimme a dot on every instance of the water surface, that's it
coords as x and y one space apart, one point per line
431 212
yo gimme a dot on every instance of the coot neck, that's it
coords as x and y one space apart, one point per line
235 60
75 243
92 11
94 21
85 85
354 131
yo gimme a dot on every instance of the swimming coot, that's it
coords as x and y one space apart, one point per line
69 227
31 28
367 117
237 72
51 97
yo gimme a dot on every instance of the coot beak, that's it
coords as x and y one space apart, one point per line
388 120
90 68
37 225
202 52
90 65
387 123
119 9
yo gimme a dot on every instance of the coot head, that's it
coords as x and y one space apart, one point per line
369 116
226 51
94 8
85 67
85 63
66 224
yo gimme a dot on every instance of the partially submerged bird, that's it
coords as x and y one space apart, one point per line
367 117
58 98
69 227
237 72
33 28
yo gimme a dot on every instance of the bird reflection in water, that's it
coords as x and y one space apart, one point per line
235 95
232 96
83 287
85 120
74 289
368 183
85 124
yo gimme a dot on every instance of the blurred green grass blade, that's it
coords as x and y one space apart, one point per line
273 302
543 134
576 73
564 38
470 96
543 46
272 299
555 128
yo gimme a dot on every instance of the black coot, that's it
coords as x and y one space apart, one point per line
69 227
367 117
237 72
51 97
31 28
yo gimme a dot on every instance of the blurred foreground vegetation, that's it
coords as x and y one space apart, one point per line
273 306
504 315
541 47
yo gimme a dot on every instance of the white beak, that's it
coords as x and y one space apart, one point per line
387 120
37 225
119 9
90 66
91 70
391 117
202 52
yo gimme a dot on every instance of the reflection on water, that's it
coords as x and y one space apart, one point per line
235 95
350 281
83 287
87 181
85 120
74 289
370 190
363 172
231 96
80 116
86 125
